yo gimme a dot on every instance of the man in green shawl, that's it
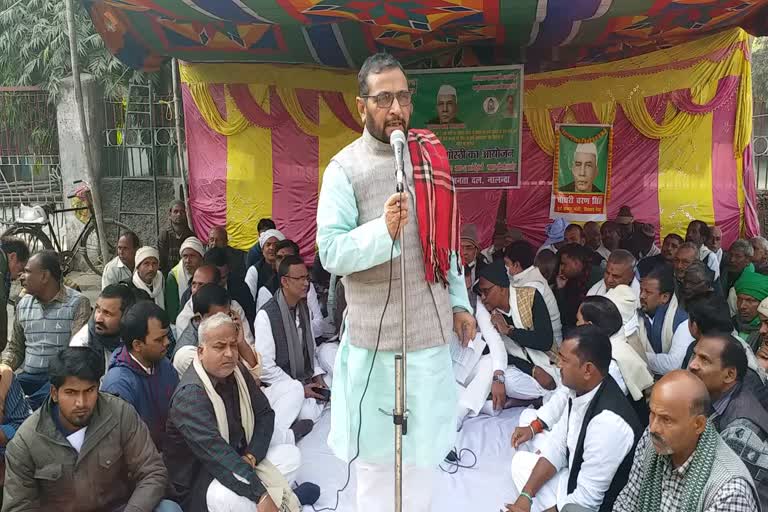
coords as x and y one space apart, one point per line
681 463
751 288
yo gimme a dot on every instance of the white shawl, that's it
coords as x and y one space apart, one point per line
536 357
667 330
157 287
275 483
633 369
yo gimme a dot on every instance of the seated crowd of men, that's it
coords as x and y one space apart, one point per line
642 370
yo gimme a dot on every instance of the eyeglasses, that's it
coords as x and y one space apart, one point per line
306 278
385 99
482 292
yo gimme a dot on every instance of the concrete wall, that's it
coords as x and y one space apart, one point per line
72 154
137 197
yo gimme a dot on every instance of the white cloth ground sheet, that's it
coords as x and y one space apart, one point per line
484 488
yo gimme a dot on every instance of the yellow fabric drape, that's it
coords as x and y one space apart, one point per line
305 124
541 129
680 67
641 119
605 112
685 170
235 122
249 188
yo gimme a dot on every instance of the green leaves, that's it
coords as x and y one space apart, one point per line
34 48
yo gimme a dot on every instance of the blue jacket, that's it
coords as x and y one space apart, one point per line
149 394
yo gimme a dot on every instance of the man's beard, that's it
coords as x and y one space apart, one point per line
379 133
81 421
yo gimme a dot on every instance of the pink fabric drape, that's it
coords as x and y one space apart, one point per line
480 207
634 179
295 160
207 152
528 206
751 223
725 197
338 106
726 90
584 113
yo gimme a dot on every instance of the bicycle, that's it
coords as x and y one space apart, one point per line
31 231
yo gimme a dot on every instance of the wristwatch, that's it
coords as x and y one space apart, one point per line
499 377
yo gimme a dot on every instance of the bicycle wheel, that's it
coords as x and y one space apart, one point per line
34 236
90 243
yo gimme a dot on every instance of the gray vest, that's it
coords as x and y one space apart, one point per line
282 357
47 328
727 465
369 166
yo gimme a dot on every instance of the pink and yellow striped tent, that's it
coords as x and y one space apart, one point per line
259 137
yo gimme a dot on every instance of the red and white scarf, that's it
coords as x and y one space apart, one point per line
436 207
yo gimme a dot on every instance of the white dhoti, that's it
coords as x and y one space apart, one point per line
473 392
287 460
286 397
522 386
522 467
325 354
376 487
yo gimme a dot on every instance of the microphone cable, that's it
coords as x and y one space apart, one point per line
370 371
454 462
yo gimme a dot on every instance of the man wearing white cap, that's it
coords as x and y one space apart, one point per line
147 275
178 279
584 170
263 272
447 106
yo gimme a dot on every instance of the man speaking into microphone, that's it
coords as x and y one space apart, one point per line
358 220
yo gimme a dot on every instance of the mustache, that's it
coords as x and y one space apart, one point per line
659 440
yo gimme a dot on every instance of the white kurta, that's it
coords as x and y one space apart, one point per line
325 355
661 364
607 441
346 248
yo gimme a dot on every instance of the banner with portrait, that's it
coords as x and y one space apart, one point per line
582 172
476 113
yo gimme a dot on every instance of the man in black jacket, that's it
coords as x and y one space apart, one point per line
589 469
219 438
721 363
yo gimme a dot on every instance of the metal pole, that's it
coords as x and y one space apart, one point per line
400 414
179 148
95 196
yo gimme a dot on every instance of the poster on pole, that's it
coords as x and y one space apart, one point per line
477 114
582 172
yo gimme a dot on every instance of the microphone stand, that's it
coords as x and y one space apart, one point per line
400 414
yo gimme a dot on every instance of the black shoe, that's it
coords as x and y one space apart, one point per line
307 493
301 428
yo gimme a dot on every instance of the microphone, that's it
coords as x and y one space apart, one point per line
397 141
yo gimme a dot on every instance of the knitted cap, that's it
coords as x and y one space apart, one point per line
146 252
193 243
